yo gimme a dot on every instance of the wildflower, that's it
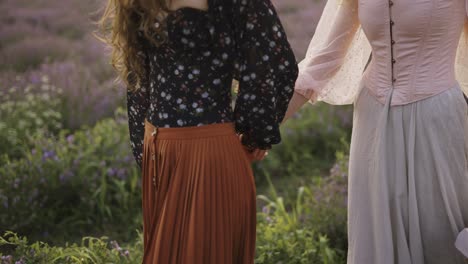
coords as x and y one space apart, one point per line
16 183
7 259
70 139
121 173
49 154
66 176
21 261
115 245
111 172
127 158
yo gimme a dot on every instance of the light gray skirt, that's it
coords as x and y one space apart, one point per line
408 185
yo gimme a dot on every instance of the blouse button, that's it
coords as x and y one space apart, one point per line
393 61
393 42
392 23
390 3
394 80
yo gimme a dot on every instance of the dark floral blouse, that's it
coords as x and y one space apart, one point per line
189 76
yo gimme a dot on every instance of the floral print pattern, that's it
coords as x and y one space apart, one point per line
189 77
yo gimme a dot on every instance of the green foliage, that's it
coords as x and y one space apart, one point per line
89 251
59 185
66 185
21 119
73 185
280 244
309 229
298 232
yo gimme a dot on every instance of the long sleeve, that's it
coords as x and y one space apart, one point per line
322 75
461 62
137 106
267 71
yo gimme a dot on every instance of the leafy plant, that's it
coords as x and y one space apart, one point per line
309 229
89 251
21 119
286 236
86 180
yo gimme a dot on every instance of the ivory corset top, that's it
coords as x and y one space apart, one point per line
414 47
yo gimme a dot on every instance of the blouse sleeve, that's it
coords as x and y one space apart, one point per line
267 71
336 56
461 62
137 106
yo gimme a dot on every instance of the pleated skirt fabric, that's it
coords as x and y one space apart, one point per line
198 197
408 185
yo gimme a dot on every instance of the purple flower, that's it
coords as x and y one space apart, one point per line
7 259
266 209
318 196
16 183
122 174
49 154
70 139
35 79
115 245
111 172
64 177
21 261
127 158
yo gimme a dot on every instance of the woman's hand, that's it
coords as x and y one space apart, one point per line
254 154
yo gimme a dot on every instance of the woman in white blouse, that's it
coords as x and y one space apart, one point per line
408 180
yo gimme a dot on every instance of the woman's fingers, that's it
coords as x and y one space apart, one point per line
259 154
256 154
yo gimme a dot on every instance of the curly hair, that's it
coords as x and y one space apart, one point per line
122 26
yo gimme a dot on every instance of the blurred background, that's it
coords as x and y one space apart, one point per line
69 187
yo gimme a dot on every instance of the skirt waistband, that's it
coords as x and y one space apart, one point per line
193 132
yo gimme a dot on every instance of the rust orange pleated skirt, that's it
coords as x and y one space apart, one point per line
198 197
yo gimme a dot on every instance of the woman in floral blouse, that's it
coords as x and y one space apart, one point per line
179 60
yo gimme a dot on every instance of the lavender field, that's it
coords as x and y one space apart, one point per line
69 188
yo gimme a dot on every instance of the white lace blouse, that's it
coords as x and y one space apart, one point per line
418 50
